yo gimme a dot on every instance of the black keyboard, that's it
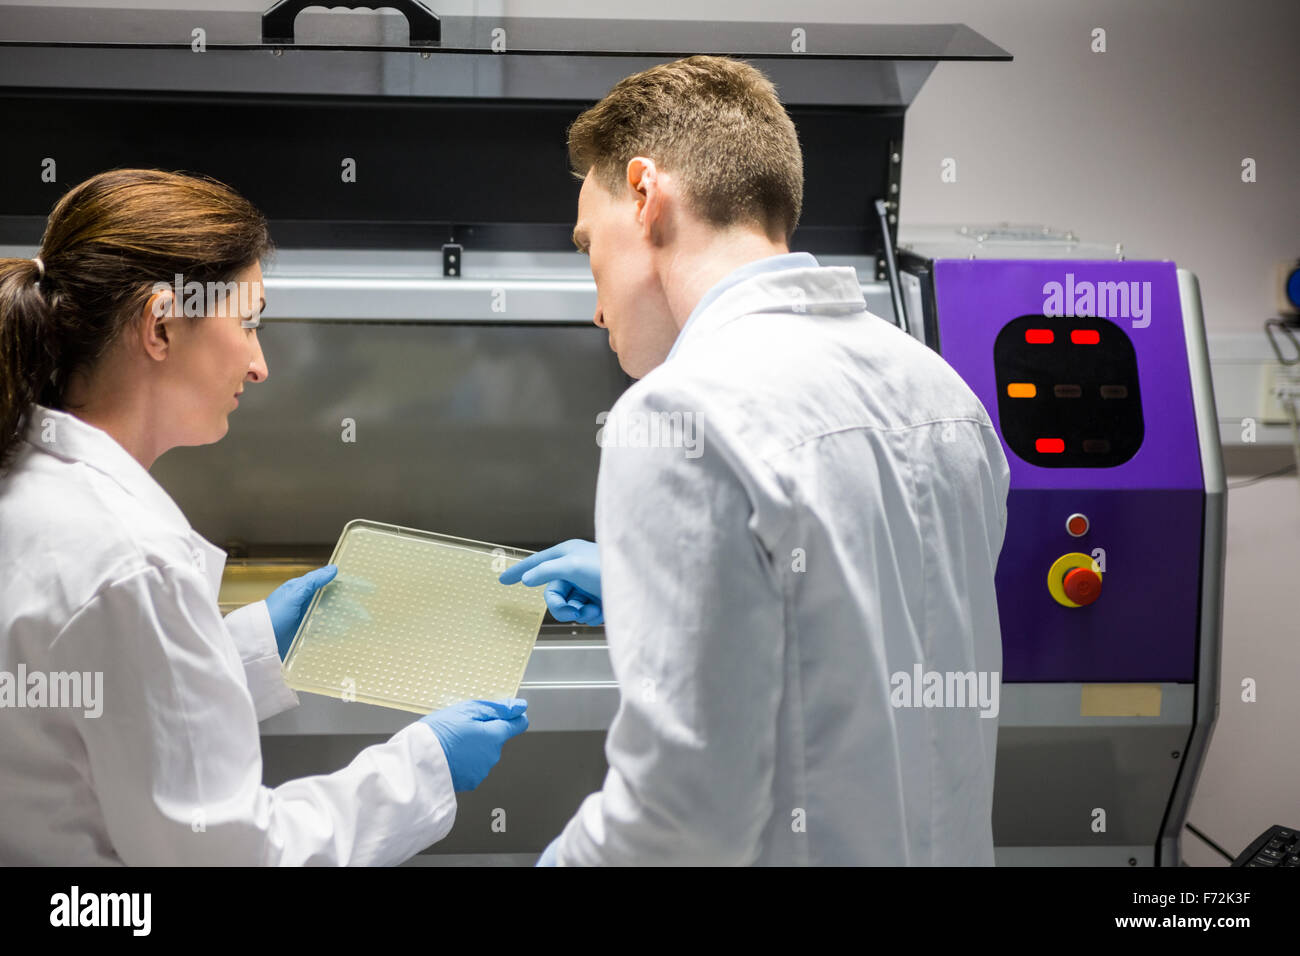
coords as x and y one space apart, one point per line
1276 846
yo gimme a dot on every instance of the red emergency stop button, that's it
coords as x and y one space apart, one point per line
1082 585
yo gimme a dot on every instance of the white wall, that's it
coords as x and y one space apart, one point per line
1245 787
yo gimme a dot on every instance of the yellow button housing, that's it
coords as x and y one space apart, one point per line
1056 575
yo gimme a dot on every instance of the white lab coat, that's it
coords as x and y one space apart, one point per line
100 572
841 524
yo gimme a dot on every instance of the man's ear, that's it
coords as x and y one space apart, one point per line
645 180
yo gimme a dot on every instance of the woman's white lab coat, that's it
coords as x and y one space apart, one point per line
101 574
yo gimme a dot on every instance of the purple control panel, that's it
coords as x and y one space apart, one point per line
1082 366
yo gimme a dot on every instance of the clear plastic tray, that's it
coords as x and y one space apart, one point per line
415 621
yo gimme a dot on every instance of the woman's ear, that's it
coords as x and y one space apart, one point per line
153 333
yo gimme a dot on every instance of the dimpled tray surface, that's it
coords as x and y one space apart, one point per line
415 621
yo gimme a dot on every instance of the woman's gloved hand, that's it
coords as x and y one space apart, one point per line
288 603
472 734
571 571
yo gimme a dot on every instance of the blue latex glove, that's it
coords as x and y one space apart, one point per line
548 855
472 734
288 603
571 572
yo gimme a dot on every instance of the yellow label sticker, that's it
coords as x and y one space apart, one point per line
1120 700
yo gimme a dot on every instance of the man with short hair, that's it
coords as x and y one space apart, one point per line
796 503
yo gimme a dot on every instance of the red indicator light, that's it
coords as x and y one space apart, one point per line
1085 336
1049 445
1039 336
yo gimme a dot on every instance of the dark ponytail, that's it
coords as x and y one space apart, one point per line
28 353
107 242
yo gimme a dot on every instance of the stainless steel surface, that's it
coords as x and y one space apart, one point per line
1052 781
1073 856
397 285
473 75
1058 705
173 25
1212 570
523 804
1003 241
481 431
569 686
389 286
1066 766
911 286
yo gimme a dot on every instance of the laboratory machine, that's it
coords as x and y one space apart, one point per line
1093 367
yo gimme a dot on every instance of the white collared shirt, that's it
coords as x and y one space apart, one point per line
800 505
100 573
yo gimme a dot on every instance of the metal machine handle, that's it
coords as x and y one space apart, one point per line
277 22
891 264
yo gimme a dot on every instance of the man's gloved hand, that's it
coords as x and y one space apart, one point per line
288 603
472 734
571 571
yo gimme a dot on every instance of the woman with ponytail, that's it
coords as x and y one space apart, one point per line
128 706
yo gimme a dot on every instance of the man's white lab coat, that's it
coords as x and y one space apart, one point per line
100 572
837 523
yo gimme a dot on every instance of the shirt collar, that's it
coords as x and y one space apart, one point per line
785 260
67 437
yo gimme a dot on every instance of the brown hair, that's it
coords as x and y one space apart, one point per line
106 243
714 122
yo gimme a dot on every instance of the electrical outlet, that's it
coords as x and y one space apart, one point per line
1278 382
